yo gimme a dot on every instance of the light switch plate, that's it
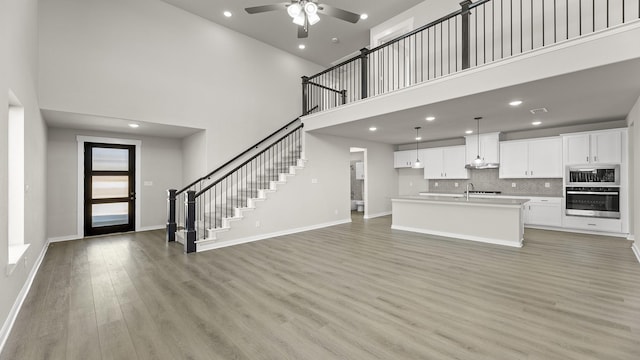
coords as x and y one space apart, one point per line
547 185
513 184
148 183
314 181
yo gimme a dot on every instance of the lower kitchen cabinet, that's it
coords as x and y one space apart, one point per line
593 224
543 212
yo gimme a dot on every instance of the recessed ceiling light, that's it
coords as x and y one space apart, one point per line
227 13
430 118
302 46
515 102
536 123
364 16
418 138
373 128
134 126
469 132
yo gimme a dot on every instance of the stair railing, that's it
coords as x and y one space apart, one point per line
209 199
478 33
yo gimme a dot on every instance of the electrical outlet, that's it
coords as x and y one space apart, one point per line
455 184
148 183
436 184
314 181
335 211
513 184
547 185
410 183
257 223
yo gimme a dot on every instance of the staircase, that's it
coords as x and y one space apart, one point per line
213 203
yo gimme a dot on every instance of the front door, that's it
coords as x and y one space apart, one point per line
109 188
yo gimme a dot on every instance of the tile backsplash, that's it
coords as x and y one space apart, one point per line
488 180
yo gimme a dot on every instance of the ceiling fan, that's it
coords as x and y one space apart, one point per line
305 13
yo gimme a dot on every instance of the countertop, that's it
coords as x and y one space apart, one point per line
461 200
528 196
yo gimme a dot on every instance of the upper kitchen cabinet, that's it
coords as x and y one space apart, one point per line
538 158
404 159
445 163
489 147
598 147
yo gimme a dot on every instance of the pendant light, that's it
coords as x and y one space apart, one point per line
478 161
417 164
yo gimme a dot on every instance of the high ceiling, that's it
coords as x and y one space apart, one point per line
275 28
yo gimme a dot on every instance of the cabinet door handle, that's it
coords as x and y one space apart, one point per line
531 173
595 159
587 159
525 172
591 224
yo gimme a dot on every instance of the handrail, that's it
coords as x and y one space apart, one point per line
243 164
243 153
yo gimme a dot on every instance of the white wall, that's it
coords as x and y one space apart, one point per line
329 159
147 60
18 72
160 164
194 159
634 138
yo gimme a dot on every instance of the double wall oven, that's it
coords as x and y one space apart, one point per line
593 191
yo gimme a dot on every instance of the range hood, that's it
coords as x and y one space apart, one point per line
482 166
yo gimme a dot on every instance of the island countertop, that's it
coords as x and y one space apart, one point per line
462 200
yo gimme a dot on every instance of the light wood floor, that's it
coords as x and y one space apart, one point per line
354 291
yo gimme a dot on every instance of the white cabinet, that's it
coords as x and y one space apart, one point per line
404 159
538 158
593 224
603 147
542 211
445 163
360 170
489 148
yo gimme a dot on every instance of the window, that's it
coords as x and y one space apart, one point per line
17 246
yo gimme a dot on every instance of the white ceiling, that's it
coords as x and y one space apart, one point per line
597 95
275 28
61 119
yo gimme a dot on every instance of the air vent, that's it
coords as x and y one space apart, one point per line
539 111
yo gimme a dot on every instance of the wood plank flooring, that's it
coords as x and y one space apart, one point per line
353 291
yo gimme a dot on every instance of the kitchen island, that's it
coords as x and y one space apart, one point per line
491 220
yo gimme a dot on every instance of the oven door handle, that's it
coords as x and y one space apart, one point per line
593 193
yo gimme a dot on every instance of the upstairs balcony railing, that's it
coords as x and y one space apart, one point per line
476 34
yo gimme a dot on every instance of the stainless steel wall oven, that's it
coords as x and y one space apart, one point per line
603 202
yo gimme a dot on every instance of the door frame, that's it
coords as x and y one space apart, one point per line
104 140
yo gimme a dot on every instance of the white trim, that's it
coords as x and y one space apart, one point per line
205 245
459 236
384 213
636 250
64 238
81 140
631 237
15 309
154 227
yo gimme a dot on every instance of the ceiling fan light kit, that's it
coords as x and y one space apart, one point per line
305 13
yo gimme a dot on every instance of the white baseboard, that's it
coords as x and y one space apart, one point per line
636 250
154 227
371 216
205 245
15 309
631 237
64 238
460 236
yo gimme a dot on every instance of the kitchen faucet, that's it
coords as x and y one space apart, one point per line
467 192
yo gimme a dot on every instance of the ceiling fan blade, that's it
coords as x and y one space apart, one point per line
265 8
302 32
338 13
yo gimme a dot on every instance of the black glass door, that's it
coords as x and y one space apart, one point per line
109 188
